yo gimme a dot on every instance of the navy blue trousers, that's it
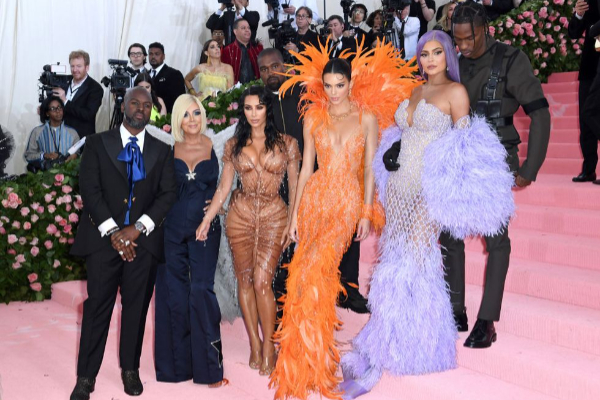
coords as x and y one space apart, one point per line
188 336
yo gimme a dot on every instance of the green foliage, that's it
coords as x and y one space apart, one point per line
222 111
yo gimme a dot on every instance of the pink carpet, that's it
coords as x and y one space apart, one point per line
548 340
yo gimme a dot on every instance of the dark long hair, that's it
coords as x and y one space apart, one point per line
204 57
145 77
338 66
243 131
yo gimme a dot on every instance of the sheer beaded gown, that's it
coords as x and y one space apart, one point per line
411 330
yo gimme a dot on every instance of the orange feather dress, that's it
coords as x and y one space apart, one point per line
328 214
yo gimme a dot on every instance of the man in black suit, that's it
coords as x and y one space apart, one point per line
83 96
167 82
224 19
127 185
337 42
584 16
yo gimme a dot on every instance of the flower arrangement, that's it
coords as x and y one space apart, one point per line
163 122
39 216
539 28
222 111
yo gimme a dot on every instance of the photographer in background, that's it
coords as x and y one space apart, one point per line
407 30
424 10
82 97
137 58
288 8
304 35
357 28
337 42
224 18
50 141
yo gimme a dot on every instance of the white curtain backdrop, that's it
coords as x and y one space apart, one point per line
38 32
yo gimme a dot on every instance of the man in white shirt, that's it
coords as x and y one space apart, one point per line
407 32
224 19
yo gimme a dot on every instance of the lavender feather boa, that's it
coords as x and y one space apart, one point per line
466 181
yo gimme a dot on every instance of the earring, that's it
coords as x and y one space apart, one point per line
447 69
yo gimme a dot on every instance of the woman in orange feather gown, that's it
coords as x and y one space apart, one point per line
331 204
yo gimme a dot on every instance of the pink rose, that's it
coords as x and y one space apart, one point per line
34 241
500 30
492 31
22 240
234 121
20 258
552 50
58 218
27 225
552 18
212 104
35 251
523 42
509 24
550 39
57 234
34 218
67 189
51 229
56 264
63 222
12 239
48 244
59 178
36 287
67 198
71 241
235 105
548 25
32 277
537 51
16 265
543 13
35 205
556 28
543 65
229 107
40 210
536 72
166 128
67 228
13 197
515 32
62 240
51 208
48 197
578 52
545 55
68 207
73 218
2 230
12 252
9 190
559 2
5 203
16 225
25 211
576 46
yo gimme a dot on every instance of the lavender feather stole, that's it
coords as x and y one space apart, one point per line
466 181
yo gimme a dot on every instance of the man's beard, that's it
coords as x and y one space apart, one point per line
136 124
274 85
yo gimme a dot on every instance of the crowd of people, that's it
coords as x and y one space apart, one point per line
323 154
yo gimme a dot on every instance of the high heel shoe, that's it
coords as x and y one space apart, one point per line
268 365
255 361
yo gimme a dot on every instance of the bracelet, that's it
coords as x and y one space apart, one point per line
113 230
367 211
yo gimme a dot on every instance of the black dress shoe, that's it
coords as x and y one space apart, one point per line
596 182
132 383
353 300
482 336
461 321
83 388
583 177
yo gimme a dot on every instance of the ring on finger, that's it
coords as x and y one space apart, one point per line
120 252
127 242
121 240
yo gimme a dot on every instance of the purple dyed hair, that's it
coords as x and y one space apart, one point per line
448 45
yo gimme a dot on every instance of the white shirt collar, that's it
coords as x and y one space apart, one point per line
125 135
158 69
75 86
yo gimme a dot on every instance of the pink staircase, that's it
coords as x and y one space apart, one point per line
548 339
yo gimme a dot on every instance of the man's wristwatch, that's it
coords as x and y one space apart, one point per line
140 227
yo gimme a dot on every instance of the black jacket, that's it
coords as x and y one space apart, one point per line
105 191
80 113
589 56
169 85
226 20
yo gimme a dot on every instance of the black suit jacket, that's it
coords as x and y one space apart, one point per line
287 117
226 20
169 85
105 192
589 56
348 45
80 113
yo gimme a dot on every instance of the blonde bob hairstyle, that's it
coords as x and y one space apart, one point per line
180 107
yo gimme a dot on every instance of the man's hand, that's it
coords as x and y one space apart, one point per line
290 10
348 33
238 5
71 157
291 46
59 92
124 242
222 8
487 2
50 156
521 182
581 7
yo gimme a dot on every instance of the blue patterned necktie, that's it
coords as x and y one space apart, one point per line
132 155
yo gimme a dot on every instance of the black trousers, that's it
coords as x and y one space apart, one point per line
589 123
107 273
498 247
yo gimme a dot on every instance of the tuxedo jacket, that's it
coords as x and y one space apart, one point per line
169 85
225 22
80 113
105 192
348 45
232 55
589 55
287 117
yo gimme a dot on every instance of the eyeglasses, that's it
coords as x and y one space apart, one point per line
301 16
136 54
359 12
218 34
55 109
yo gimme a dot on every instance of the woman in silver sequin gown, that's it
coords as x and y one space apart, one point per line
411 330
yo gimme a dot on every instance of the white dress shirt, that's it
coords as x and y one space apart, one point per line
412 25
157 70
72 90
144 219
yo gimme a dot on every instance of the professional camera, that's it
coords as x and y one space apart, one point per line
389 7
45 165
119 82
53 75
228 3
281 34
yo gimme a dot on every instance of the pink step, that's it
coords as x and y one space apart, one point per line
559 166
557 150
568 285
551 248
562 98
556 136
562 220
559 191
563 77
561 87
543 320
557 123
552 370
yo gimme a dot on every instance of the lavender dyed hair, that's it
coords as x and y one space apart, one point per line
447 44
